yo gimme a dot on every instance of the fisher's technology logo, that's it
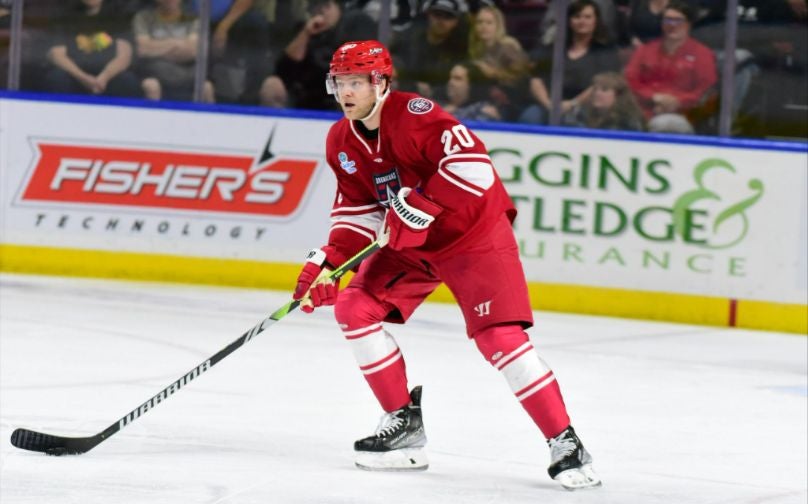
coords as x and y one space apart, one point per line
163 395
125 189
633 211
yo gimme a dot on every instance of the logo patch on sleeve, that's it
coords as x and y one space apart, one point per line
420 105
346 164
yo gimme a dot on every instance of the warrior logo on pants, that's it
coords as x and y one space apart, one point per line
483 309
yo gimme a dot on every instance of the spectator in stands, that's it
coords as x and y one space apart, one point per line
298 81
5 40
467 94
166 39
401 11
92 53
780 10
611 105
432 45
589 52
608 13
776 33
237 21
645 19
670 76
500 58
247 38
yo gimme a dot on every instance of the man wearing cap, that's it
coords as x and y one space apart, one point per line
305 59
429 49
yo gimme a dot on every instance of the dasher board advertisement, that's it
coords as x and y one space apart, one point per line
723 219
163 181
686 218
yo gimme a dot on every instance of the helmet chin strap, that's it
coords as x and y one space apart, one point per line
379 100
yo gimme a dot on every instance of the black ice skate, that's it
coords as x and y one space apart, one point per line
571 464
398 444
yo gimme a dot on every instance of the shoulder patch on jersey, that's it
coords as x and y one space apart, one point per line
346 164
420 105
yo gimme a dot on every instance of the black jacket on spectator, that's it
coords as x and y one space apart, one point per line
305 80
644 24
578 73
423 62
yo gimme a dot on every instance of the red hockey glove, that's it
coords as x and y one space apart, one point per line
409 218
313 287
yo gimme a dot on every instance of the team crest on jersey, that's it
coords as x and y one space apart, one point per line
346 164
420 105
386 183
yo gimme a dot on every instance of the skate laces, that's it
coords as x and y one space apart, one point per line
561 447
389 423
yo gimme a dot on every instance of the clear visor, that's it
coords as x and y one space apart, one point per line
332 87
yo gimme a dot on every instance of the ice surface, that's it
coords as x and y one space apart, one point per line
671 413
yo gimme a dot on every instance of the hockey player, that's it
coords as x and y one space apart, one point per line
407 168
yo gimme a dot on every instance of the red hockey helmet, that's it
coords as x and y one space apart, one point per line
361 57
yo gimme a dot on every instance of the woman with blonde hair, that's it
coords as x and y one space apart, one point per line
611 105
500 57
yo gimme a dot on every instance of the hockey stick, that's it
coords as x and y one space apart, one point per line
59 445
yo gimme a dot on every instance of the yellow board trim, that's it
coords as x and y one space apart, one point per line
673 307
773 316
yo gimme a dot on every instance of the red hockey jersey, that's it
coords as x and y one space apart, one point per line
419 145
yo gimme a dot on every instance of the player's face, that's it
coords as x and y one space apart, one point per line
356 95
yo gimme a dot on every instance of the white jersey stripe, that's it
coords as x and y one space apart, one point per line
355 210
477 174
369 221
356 229
466 157
465 187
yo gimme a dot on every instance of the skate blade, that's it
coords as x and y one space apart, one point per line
405 459
579 478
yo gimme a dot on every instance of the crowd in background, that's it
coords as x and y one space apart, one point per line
636 65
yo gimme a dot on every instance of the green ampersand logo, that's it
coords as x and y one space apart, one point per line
731 224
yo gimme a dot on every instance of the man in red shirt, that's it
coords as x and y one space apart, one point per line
670 75
409 169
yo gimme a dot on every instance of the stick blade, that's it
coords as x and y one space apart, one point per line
51 445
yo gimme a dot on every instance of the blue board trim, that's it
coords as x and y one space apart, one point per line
702 141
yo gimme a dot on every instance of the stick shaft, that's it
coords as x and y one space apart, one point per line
59 445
